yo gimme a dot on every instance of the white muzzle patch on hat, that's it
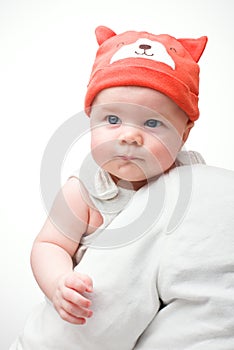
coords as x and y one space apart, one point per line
144 48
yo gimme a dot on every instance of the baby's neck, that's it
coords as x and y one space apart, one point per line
129 185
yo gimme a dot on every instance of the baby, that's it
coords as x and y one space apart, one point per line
113 217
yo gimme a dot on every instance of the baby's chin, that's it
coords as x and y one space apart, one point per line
127 172
129 182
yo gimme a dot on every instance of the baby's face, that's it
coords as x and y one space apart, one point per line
136 132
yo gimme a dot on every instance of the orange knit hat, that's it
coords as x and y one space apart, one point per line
160 62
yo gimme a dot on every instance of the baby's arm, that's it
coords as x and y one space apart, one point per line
52 252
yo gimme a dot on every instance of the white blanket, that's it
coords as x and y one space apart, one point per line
163 282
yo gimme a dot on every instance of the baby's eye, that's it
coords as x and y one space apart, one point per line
152 123
113 119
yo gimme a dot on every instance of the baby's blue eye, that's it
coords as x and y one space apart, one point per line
152 123
113 119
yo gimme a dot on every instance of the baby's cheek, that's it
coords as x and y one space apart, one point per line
101 152
170 144
162 157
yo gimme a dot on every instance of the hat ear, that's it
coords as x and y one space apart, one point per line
103 33
195 46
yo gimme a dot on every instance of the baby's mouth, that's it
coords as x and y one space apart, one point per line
127 157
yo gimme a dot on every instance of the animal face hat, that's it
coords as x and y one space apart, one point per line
159 62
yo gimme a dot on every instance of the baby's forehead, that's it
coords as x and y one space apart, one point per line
137 102
129 93
142 97
127 111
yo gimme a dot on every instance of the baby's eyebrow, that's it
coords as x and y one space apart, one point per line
157 116
110 109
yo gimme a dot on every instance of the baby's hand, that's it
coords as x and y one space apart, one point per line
68 300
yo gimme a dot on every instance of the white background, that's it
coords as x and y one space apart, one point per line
46 52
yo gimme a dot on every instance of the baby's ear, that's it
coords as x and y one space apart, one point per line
195 46
103 33
187 130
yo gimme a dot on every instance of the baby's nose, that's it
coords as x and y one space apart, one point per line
131 138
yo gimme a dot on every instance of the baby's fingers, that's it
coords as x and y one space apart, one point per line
75 310
76 298
79 282
70 318
86 279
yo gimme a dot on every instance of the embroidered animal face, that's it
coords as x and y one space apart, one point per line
144 48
